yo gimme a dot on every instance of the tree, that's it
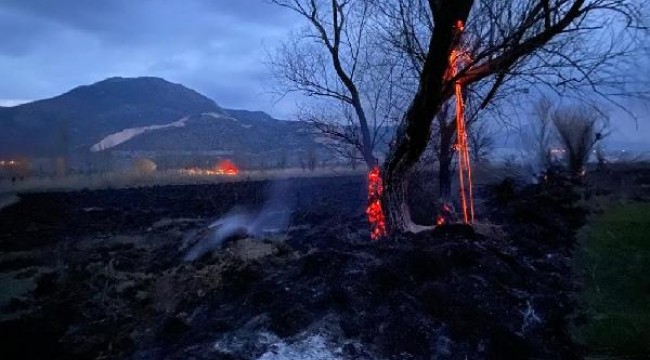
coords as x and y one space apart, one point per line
579 129
481 141
537 137
512 45
443 140
537 41
312 159
282 160
332 60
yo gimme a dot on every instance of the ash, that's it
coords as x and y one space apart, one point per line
112 283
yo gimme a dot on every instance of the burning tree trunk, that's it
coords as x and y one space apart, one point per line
375 211
413 132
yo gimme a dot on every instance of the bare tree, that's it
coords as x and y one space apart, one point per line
282 160
302 161
579 129
512 45
537 137
601 157
312 159
332 60
481 141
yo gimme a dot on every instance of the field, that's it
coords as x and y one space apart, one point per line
613 262
130 178
104 273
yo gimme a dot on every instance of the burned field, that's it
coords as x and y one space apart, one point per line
101 274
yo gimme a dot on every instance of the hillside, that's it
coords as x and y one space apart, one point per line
128 117
73 121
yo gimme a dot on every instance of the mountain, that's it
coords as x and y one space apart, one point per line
79 118
150 117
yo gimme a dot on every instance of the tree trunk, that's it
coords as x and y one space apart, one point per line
398 215
366 140
413 131
445 158
444 177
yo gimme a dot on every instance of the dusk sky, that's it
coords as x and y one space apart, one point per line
216 47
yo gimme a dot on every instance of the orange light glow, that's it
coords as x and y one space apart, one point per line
374 211
227 167
224 167
444 215
457 57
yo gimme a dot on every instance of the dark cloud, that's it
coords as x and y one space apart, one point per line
215 46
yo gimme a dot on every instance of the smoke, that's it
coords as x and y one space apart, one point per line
272 217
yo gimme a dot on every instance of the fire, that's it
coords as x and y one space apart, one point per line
445 215
374 210
456 60
224 167
227 167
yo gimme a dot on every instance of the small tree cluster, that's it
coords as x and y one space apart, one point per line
572 131
578 130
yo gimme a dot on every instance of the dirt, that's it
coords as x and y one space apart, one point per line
108 280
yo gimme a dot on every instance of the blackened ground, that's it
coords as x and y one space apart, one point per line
103 277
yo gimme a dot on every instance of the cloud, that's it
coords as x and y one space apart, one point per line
216 47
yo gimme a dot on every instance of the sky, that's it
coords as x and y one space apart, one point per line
217 47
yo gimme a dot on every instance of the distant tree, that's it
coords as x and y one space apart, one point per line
324 162
312 159
537 137
481 142
601 157
579 129
302 161
282 160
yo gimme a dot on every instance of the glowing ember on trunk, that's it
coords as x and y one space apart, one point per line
374 210
456 60
445 215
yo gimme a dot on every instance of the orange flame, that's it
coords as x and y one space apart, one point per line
464 166
374 211
445 213
227 167
224 167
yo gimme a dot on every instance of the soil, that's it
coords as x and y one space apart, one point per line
100 274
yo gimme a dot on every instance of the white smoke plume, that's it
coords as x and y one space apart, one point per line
273 217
